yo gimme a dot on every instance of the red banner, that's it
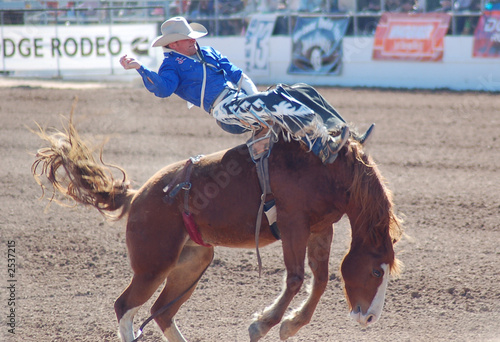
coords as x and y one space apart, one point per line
411 37
487 35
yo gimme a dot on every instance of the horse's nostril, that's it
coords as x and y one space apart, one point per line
370 318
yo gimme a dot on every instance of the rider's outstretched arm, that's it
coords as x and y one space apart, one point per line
247 85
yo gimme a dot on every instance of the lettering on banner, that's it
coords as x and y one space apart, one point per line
408 46
411 32
25 47
140 46
257 47
418 37
73 47
492 24
261 46
487 36
68 47
83 47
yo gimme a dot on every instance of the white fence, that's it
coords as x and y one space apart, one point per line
58 51
91 52
458 70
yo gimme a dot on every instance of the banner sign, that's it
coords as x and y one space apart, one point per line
411 37
79 47
257 49
487 36
317 45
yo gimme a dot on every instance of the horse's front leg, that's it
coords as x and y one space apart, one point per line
318 255
294 251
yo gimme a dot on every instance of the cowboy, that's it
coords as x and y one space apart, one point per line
205 78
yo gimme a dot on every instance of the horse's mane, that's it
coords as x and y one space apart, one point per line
369 190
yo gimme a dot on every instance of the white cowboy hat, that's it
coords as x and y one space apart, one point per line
177 28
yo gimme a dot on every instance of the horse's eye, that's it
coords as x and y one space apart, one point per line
377 273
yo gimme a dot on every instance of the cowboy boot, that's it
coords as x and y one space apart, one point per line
363 139
332 146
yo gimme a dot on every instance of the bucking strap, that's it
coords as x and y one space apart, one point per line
173 188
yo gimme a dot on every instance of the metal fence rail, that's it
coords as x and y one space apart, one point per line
222 18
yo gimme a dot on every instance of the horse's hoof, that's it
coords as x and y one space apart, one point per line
254 332
288 329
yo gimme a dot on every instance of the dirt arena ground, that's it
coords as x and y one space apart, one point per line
438 150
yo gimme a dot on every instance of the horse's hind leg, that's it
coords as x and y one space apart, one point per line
294 249
181 282
140 289
153 254
318 254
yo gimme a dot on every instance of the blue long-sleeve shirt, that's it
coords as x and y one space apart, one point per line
183 76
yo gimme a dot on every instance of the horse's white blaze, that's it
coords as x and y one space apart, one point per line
375 310
379 299
126 325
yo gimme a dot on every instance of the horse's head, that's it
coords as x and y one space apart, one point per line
366 275
375 228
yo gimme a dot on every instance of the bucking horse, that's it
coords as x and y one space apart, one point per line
185 210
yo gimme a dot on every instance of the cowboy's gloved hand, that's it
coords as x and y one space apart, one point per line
129 63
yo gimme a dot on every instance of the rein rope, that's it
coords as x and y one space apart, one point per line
261 171
260 156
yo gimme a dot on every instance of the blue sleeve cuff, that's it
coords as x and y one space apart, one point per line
141 70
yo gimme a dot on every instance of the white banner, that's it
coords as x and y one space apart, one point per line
79 47
257 50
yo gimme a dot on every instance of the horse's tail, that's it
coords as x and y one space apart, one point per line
71 170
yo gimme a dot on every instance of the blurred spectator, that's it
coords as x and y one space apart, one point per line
347 5
406 6
201 8
392 5
231 27
292 5
228 7
465 25
462 5
310 6
158 12
206 8
445 6
469 26
367 24
179 7
270 6
371 6
89 8
332 6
